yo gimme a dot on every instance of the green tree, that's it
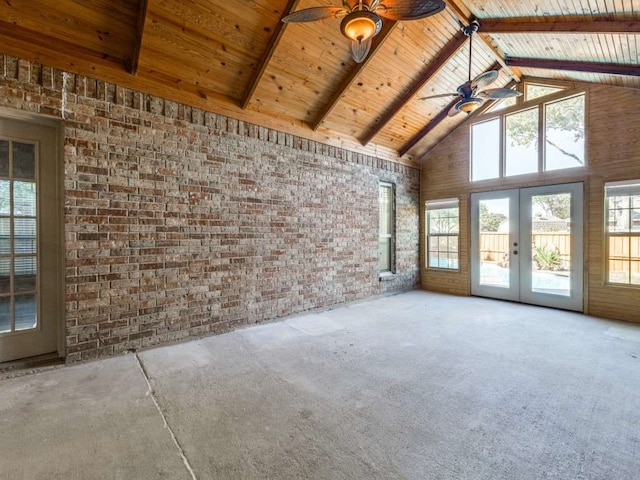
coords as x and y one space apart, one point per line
562 116
490 221
558 205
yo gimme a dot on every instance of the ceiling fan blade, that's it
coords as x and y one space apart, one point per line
442 95
409 9
497 93
485 79
313 14
359 50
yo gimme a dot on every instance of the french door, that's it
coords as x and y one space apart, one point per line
527 245
30 240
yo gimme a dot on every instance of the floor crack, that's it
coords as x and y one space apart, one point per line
185 460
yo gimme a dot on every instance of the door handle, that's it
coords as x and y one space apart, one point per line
515 252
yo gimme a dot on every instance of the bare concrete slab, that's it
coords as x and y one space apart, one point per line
93 421
414 386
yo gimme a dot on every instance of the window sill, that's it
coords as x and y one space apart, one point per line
386 276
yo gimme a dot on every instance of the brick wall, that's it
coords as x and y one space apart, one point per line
180 222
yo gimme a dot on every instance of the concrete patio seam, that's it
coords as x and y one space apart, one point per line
185 460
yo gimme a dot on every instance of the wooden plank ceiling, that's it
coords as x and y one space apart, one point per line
237 58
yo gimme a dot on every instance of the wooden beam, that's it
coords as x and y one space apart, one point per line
575 66
137 43
432 69
387 27
513 25
427 128
268 53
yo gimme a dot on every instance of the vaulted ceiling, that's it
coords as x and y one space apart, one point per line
237 57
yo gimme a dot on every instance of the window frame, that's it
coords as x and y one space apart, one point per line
485 115
392 235
619 234
435 205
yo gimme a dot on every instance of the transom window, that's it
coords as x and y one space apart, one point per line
541 136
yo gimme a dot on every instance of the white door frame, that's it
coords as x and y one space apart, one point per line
520 255
17 124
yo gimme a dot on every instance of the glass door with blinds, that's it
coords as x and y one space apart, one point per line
29 240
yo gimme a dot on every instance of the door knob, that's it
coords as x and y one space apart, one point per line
515 252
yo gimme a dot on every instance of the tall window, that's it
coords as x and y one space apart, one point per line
546 134
622 231
387 227
443 219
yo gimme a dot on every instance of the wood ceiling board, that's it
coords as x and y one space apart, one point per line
390 74
611 48
99 25
310 61
551 8
247 28
201 59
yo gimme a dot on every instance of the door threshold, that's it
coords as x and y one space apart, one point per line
24 366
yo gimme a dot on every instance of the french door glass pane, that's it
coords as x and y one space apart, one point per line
4 158
25 312
5 275
5 314
494 242
551 244
521 149
24 160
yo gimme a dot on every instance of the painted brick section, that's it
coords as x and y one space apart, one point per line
180 222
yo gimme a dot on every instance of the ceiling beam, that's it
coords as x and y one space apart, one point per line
387 27
513 25
449 50
268 53
137 42
427 128
575 66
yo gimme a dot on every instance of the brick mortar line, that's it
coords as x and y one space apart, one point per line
185 460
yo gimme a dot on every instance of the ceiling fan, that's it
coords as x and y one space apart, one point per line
362 18
472 93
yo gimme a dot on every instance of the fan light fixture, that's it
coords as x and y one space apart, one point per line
360 26
469 105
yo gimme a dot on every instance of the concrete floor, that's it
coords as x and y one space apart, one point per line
414 386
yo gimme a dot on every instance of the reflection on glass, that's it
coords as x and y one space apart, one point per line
521 149
5 275
5 314
564 134
533 91
494 242
25 312
24 160
24 274
4 158
24 199
24 235
5 236
5 197
551 244
485 150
